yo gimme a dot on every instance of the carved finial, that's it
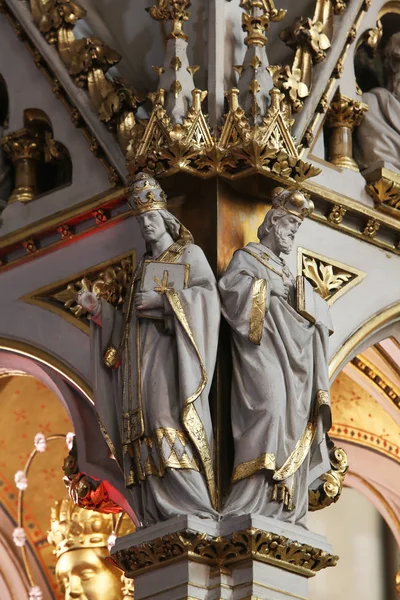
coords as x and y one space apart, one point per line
176 76
254 79
172 10
257 19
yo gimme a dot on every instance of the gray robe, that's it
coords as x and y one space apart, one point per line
280 403
378 136
169 465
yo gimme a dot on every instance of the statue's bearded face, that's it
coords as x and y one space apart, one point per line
83 575
152 225
285 230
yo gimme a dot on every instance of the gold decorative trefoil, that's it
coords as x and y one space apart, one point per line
329 492
224 552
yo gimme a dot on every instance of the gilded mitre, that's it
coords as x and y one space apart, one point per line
146 194
73 528
293 202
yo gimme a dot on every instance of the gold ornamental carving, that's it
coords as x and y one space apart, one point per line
384 187
172 10
108 280
88 60
330 490
343 116
311 39
224 552
256 20
27 148
52 16
242 149
329 278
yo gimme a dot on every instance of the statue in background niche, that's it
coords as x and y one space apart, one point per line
378 136
280 398
153 366
81 538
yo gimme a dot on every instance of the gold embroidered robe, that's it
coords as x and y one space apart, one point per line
163 442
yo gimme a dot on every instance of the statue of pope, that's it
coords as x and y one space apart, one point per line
153 365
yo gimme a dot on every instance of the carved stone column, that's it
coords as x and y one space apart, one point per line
24 149
238 558
344 114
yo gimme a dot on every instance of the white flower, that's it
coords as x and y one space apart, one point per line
69 439
35 593
111 541
21 481
40 442
19 537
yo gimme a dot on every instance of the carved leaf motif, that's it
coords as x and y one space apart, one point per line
325 281
110 285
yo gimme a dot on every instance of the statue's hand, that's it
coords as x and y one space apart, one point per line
148 300
280 288
88 300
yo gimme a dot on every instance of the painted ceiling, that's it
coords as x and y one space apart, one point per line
29 407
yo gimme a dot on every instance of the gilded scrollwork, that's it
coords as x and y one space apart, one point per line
330 490
224 552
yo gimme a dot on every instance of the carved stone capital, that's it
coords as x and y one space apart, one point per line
343 115
345 112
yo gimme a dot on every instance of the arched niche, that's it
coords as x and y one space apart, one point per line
76 397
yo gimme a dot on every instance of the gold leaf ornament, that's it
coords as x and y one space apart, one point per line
322 276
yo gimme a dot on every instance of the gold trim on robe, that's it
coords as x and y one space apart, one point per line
258 309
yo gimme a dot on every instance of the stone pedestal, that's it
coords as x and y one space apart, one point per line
239 558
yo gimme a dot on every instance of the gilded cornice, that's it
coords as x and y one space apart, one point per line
354 218
75 222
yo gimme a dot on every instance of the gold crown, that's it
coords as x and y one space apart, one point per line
293 202
72 527
147 194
